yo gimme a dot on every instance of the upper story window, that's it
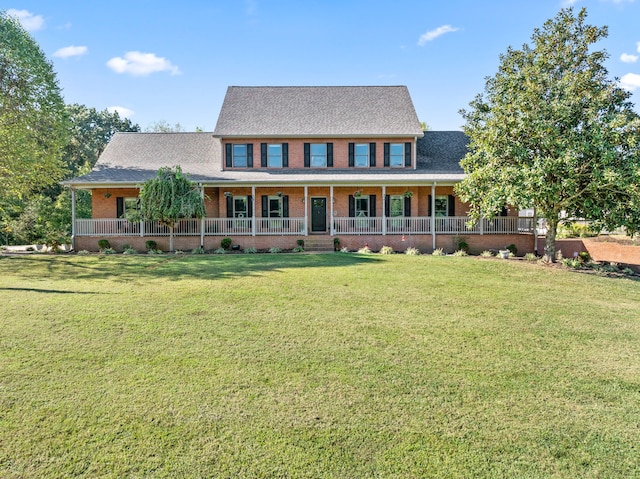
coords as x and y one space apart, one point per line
239 155
318 155
396 154
361 155
274 155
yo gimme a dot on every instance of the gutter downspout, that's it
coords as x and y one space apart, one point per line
384 210
306 210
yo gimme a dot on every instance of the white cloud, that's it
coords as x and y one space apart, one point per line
626 58
28 20
433 34
568 3
630 81
122 111
71 51
142 64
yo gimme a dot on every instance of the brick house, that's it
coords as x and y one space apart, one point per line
289 163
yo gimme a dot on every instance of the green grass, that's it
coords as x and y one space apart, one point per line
335 365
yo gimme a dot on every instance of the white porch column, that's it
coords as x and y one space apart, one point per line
253 211
73 218
305 200
433 214
384 210
202 219
332 227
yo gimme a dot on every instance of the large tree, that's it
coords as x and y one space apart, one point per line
553 132
167 198
89 132
32 114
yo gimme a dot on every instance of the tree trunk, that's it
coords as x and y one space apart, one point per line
550 240
171 238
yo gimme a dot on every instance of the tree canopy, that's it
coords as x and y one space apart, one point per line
167 198
553 132
32 114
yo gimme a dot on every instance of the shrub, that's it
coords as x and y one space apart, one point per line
584 256
628 271
129 250
344 249
461 244
486 254
83 252
573 263
300 243
104 244
178 252
199 250
298 249
365 250
155 251
460 252
411 251
108 251
219 251
126 246
275 249
336 243
250 250
438 252
386 250
225 243
513 249
530 257
151 245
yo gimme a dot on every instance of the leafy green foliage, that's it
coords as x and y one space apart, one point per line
226 243
32 116
552 132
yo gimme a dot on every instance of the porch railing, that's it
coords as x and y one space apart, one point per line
296 226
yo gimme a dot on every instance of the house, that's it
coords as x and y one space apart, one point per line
311 163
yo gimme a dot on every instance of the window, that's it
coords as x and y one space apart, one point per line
318 155
240 207
240 156
274 156
275 206
442 206
362 155
396 154
362 207
396 205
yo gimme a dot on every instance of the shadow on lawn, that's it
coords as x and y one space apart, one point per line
136 267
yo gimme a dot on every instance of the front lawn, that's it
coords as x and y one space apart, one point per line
334 365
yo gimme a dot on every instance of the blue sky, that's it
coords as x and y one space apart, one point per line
173 61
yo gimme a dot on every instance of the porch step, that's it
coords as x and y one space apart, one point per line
318 243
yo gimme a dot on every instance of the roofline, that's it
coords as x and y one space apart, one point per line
324 136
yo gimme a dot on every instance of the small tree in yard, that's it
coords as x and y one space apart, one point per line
167 198
552 132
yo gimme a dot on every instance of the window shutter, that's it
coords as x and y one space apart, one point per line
372 205
387 201
452 205
229 155
387 149
119 207
285 155
352 154
250 206
407 154
229 206
372 154
407 207
250 155
330 155
307 155
429 206
352 206
263 155
265 206
285 206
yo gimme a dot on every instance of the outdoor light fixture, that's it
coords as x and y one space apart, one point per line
279 193
227 194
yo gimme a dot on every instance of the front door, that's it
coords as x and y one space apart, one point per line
318 214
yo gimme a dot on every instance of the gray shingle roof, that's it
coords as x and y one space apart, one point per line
441 151
136 157
355 111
